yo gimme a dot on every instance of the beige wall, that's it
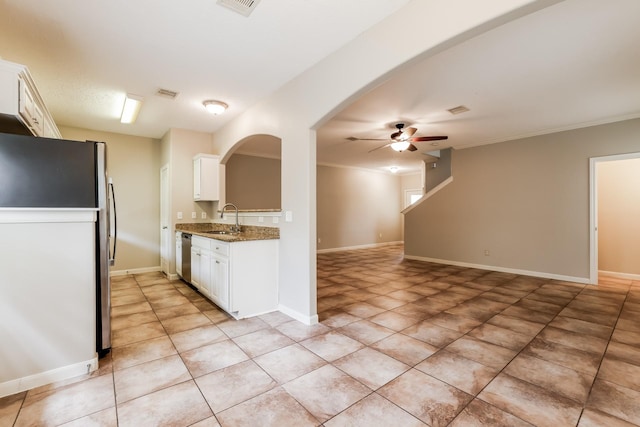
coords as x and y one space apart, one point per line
253 182
134 163
619 216
354 207
526 201
178 146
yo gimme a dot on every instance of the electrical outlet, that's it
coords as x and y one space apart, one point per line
194 215
319 240
203 215
179 215
486 252
260 219
276 220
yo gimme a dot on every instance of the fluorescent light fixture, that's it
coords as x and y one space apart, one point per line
215 107
131 108
400 145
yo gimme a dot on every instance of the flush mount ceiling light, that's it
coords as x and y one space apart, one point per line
131 108
215 107
394 169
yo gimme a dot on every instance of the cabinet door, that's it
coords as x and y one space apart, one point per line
195 267
196 179
30 111
205 178
205 273
220 281
179 256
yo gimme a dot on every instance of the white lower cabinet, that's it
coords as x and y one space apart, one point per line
179 253
220 281
239 277
205 272
195 265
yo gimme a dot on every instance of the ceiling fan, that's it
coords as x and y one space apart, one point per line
402 139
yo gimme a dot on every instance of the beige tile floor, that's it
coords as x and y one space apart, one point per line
400 343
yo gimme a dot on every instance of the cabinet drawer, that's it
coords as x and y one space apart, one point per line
201 242
220 248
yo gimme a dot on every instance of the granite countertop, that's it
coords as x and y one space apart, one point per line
249 232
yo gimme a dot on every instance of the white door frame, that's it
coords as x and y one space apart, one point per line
165 240
593 208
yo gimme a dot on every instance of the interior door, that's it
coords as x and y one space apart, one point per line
165 238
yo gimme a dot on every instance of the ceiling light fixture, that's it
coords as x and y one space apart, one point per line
393 169
400 145
131 108
215 107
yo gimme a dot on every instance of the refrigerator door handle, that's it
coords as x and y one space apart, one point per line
114 232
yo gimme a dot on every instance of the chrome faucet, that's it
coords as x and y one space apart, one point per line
234 228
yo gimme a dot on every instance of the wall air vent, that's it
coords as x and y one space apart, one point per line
243 7
166 93
458 110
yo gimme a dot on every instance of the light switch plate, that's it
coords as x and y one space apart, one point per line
179 215
288 216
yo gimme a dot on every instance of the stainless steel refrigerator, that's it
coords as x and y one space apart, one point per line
61 174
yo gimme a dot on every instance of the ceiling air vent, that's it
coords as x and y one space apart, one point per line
166 93
458 110
243 7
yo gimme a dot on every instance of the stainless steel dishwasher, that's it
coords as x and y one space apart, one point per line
186 257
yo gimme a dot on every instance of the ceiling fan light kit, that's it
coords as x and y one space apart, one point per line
400 146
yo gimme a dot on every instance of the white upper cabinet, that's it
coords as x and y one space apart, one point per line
22 110
206 177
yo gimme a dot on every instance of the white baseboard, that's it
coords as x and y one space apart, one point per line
350 248
583 280
307 320
135 271
173 276
43 378
617 275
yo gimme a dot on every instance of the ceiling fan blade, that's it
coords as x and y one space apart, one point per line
353 138
408 132
428 138
378 148
412 148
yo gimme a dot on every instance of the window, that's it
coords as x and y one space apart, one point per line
411 196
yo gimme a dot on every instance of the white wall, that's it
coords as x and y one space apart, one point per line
619 216
300 106
47 297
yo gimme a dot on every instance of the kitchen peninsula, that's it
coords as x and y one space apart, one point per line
238 271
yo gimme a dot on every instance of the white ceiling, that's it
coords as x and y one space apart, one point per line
573 64
86 55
